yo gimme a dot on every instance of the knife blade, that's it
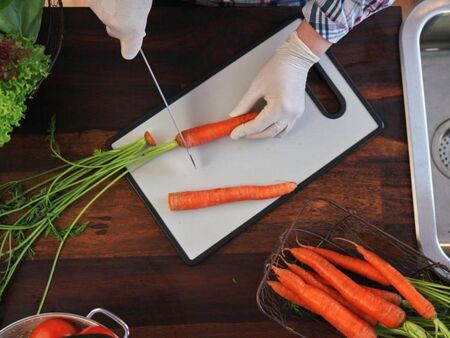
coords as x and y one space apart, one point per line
167 106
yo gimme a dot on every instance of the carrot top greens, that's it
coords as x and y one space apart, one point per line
30 207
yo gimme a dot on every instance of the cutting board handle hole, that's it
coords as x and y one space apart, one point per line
324 93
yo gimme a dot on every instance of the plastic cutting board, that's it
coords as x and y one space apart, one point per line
316 143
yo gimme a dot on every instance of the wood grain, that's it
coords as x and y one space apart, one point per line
123 262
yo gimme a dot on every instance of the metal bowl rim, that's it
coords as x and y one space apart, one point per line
73 317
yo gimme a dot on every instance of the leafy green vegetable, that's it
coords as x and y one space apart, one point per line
4 3
22 17
28 70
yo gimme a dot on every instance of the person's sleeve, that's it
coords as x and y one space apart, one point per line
333 19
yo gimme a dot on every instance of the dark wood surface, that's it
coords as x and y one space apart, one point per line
123 262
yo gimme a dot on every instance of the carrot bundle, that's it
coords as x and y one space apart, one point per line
351 264
400 283
205 198
376 307
322 304
310 279
392 297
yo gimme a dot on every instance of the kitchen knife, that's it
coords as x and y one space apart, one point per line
167 106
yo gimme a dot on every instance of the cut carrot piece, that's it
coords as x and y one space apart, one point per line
400 283
388 314
205 198
212 131
322 304
351 264
150 139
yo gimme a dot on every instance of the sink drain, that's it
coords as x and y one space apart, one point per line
440 148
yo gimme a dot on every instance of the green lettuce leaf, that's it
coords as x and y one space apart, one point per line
13 92
21 17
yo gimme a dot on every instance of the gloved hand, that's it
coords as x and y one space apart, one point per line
281 82
124 20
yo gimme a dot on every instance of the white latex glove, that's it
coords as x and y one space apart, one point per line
124 20
281 82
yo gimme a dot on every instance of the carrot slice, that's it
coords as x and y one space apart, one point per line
322 304
205 198
388 314
351 264
400 283
212 131
150 139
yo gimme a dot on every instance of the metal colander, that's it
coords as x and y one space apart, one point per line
440 148
444 150
22 328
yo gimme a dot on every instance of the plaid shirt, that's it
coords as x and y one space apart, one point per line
332 19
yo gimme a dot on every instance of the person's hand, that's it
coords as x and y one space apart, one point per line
124 20
281 82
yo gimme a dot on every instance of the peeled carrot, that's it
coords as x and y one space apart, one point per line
388 314
392 297
351 264
287 294
212 131
400 283
149 139
205 198
322 304
310 279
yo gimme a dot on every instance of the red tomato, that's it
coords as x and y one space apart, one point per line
53 328
98 329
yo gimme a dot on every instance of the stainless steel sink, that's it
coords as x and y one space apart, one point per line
425 57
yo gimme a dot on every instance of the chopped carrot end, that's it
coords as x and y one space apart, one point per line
150 139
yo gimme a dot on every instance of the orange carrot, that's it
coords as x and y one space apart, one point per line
320 279
392 297
388 314
287 294
400 283
212 131
150 139
309 278
351 264
322 304
206 198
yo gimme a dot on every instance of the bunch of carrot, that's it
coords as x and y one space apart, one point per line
354 309
30 207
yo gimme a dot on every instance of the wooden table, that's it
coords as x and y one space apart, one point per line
123 262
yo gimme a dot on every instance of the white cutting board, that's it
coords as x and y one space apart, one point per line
315 143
